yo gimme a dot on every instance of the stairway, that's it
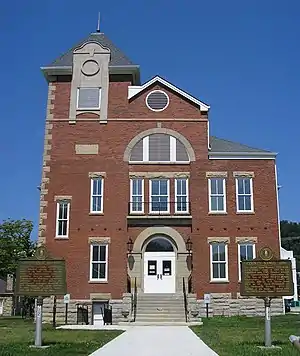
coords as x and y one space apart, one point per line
160 309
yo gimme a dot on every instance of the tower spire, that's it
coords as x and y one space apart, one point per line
98 24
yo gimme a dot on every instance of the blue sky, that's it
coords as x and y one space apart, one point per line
241 57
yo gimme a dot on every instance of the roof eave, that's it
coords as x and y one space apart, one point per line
50 71
242 155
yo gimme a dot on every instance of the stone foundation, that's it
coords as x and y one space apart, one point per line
222 304
118 305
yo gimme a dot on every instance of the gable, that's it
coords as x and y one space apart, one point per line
134 91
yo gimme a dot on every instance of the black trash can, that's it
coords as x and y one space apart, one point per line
107 317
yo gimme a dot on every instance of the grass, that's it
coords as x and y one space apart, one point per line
16 335
240 336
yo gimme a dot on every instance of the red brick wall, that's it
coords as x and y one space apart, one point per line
69 176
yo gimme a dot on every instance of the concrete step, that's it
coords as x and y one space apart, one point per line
142 313
158 319
160 305
159 315
160 310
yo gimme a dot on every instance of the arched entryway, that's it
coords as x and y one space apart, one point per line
159 265
166 244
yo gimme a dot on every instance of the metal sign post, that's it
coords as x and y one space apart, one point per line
66 301
38 322
268 338
207 300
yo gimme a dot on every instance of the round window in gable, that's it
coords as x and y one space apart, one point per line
157 100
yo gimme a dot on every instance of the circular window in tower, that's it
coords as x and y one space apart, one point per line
157 100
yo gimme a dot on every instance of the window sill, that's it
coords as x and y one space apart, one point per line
217 213
98 282
245 212
219 281
159 162
95 213
61 237
152 216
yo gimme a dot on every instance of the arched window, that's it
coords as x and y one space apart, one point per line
159 244
159 147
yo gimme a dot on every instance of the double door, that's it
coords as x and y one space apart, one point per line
159 272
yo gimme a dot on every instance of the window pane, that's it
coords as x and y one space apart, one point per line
137 186
155 187
159 147
215 253
97 203
63 211
240 186
250 252
243 252
220 185
164 187
241 203
222 270
247 185
95 270
102 253
221 252
220 201
97 183
96 253
102 271
181 154
213 186
247 202
137 152
215 270
214 203
89 98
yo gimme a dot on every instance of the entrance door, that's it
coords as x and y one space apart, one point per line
98 312
159 272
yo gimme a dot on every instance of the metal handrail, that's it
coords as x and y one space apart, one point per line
159 208
134 300
185 301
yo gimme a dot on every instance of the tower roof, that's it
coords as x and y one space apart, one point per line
118 58
119 62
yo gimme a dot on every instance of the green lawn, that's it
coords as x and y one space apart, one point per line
239 336
16 335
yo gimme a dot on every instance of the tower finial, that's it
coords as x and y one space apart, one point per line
98 25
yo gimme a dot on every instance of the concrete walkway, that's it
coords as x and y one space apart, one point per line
156 341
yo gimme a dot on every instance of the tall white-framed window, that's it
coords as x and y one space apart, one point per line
88 98
246 251
244 194
62 218
181 196
96 200
217 195
219 261
137 196
98 262
159 196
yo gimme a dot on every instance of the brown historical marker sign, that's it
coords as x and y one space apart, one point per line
41 276
267 277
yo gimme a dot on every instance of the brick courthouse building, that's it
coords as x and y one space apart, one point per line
136 193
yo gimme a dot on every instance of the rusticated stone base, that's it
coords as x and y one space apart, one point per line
7 306
118 305
222 304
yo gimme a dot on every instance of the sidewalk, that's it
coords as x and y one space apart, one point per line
156 341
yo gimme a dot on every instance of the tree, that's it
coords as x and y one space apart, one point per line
290 238
15 244
289 228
